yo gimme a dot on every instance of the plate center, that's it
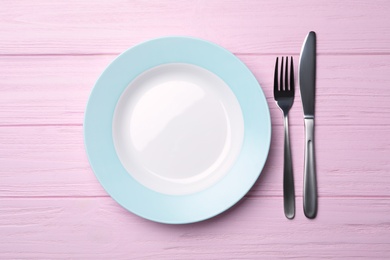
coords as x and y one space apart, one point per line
177 128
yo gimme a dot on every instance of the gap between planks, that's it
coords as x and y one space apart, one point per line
249 196
80 124
235 53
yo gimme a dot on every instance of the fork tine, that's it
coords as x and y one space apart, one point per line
281 76
286 76
292 86
276 77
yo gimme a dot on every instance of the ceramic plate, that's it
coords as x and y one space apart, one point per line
177 130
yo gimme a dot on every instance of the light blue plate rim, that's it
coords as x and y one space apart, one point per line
137 198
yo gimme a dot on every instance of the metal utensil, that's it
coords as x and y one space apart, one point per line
307 78
284 97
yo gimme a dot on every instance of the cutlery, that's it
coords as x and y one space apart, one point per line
307 78
284 98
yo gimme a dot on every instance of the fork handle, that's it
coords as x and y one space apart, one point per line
288 179
310 182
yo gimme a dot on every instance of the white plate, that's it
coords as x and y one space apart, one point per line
178 128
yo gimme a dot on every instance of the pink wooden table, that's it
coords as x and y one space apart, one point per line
52 206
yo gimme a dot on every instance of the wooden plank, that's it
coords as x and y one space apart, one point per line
37 161
45 161
47 90
74 27
98 228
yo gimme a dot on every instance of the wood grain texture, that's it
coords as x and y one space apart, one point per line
252 26
42 161
51 204
97 228
350 89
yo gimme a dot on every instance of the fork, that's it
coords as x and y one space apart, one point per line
284 98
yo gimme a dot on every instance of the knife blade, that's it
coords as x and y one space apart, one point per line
307 80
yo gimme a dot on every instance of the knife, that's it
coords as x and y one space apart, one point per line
307 80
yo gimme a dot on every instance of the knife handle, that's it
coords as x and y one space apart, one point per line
310 180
